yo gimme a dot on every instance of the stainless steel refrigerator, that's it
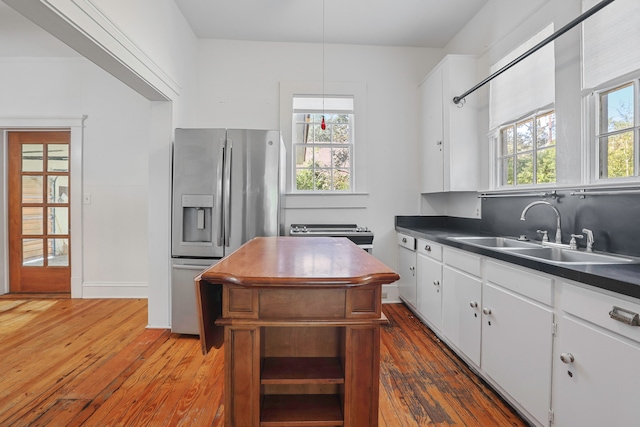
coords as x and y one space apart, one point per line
227 189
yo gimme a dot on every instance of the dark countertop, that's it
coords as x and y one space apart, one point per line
619 278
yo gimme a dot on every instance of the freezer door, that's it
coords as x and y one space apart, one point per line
197 228
254 190
184 312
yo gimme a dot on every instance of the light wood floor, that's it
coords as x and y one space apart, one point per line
67 362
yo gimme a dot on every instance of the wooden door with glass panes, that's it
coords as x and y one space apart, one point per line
38 177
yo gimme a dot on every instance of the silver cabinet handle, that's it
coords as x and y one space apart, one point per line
438 142
625 316
486 311
473 304
427 248
413 271
404 240
436 283
567 358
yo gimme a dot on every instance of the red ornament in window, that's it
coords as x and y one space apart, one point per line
323 125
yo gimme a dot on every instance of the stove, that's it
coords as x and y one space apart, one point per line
361 236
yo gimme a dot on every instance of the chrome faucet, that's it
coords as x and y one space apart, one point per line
544 202
590 241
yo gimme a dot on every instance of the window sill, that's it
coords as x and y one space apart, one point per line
326 200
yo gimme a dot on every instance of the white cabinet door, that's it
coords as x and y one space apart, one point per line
450 142
517 340
429 295
461 321
600 386
432 133
407 272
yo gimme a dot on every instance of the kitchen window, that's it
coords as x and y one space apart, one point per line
522 117
527 151
617 132
323 140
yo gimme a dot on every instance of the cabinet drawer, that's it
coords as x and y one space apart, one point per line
464 261
407 241
538 288
430 249
595 307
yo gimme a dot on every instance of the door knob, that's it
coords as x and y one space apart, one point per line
567 358
486 311
473 304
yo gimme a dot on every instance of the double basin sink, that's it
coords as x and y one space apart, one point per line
549 254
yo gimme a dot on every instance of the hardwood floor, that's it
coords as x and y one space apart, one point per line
66 362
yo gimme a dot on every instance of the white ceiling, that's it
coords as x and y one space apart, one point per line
418 23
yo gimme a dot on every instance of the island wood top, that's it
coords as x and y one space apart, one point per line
300 261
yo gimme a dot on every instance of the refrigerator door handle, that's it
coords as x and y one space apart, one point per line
219 194
227 192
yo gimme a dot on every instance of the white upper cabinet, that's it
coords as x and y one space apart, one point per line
449 132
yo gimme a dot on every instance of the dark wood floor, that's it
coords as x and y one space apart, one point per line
67 362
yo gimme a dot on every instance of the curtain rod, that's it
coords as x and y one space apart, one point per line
552 37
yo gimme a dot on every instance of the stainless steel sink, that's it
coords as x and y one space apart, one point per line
567 256
552 255
496 242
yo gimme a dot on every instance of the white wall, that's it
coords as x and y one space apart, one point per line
115 148
239 88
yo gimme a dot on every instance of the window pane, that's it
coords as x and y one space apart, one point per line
32 189
58 252
32 221
322 178
304 179
341 133
546 166
616 155
322 157
58 157
546 130
524 172
507 141
32 158
524 136
58 189
32 253
341 180
322 135
341 157
58 220
507 171
616 109
304 156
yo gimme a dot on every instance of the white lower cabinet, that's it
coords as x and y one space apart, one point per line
501 318
461 302
517 336
429 270
597 361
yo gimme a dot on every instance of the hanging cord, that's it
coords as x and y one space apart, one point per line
323 125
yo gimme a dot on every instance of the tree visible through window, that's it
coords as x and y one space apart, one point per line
323 157
616 136
527 151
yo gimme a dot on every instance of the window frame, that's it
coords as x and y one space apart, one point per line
499 157
595 134
331 144
358 90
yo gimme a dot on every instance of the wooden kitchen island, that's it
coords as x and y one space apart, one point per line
300 319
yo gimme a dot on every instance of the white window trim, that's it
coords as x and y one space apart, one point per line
591 125
359 92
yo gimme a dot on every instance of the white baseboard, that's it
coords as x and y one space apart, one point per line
115 290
